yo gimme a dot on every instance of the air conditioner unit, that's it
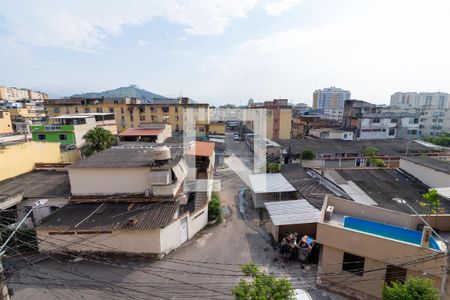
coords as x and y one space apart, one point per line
329 213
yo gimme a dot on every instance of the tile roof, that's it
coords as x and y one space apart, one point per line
384 184
430 162
140 132
307 186
36 184
386 147
125 157
111 216
201 149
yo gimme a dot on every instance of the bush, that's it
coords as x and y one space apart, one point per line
413 288
214 209
441 140
308 154
273 168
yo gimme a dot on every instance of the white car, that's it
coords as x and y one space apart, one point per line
236 137
302 295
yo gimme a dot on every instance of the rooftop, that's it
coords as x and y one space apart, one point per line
201 149
126 157
386 147
430 162
111 216
292 212
270 183
140 132
307 186
381 185
37 184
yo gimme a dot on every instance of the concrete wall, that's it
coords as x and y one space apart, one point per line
285 123
171 237
5 122
70 156
197 221
100 181
20 158
42 211
427 175
131 241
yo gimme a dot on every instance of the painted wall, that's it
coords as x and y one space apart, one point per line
5 122
429 176
101 181
197 221
285 123
131 241
17 159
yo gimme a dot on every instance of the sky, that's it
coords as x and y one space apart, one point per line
227 51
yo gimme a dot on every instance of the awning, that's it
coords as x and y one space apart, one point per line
292 212
270 183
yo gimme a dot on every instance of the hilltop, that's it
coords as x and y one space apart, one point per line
132 91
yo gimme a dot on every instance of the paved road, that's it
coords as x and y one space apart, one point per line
206 267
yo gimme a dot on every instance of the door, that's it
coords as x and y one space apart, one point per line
183 230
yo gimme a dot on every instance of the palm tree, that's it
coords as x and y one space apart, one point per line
432 202
97 139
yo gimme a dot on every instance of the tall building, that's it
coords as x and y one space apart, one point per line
15 94
278 118
331 101
421 100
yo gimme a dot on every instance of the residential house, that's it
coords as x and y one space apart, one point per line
151 133
269 187
5 122
332 134
363 247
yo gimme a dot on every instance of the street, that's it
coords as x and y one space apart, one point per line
205 267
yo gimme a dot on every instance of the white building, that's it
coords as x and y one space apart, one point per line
388 126
331 133
425 100
331 101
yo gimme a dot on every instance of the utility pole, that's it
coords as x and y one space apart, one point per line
4 291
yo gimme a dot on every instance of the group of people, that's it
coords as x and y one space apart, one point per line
293 248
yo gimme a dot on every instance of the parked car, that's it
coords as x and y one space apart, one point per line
237 137
301 294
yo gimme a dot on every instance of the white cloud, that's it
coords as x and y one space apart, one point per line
279 7
83 24
143 43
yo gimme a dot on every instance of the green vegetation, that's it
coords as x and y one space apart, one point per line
263 286
441 140
413 289
273 167
431 201
97 139
372 161
308 154
214 209
131 91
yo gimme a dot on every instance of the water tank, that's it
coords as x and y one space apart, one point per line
161 153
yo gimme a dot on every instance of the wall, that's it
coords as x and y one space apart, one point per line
70 156
117 241
42 211
5 122
285 123
171 237
20 158
197 221
100 181
217 128
429 176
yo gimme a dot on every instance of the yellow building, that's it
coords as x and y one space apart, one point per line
5 122
15 94
217 128
131 112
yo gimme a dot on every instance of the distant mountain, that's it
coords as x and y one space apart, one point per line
132 91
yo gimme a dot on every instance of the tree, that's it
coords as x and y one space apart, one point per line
273 168
308 154
413 289
263 286
214 209
97 139
371 152
432 202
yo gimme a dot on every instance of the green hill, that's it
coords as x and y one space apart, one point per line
132 91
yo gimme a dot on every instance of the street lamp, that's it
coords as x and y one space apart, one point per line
445 275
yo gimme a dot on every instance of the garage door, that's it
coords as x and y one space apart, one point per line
183 230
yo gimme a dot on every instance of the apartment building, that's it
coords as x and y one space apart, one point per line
364 247
434 121
15 94
331 101
302 124
5 122
131 112
70 129
421 100
278 118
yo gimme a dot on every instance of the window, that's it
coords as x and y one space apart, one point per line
111 109
116 101
392 131
87 110
67 111
121 110
42 137
416 121
394 273
63 137
99 109
153 118
376 120
153 109
176 109
131 118
165 109
353 264
393 120
176 118
142 118
56 109
141 110
76 110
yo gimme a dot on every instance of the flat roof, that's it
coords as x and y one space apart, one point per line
140 132
292 212
270 183
38 183
430 162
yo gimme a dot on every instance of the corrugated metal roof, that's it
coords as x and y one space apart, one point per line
140 132
111 216
430 162
292 212
444 192
270 183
